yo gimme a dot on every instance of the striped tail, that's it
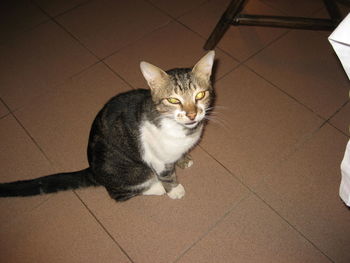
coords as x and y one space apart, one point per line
48 184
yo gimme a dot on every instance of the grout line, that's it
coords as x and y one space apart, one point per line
294 148
20 33
338 110
226 169
268 44
102 59
14 221
294 227
335 127
217 47
213 226
335 113
70 9
242 63
53 19
143 36
103 227
176 17
251 191
119 76
75 38
7 107
5 115
99 60
33 140
205 38
286 93
53 87
137 40
274 8
299 144
284 13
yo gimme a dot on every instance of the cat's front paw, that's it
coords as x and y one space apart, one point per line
177 192
185 162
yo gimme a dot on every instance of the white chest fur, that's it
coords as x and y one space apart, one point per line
165 144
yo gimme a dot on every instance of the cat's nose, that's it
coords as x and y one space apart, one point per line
191 115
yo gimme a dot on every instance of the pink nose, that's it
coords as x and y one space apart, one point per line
191 115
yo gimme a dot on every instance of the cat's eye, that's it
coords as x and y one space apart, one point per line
173 101
200 95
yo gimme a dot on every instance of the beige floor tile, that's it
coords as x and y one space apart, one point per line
303 64
182 49
157 228
3 110
296 7
323 13
20 159
60 230
17 17
304 190
255 126
314 8
106 26
56 7
179 7
342 119
37 61
60 121
241 42
253 233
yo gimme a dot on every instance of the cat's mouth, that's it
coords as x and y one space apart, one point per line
191 124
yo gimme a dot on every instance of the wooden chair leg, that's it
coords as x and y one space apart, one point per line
224 23
232 16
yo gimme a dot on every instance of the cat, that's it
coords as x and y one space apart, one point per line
139 136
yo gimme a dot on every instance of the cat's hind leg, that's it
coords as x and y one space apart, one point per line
155 189
119 195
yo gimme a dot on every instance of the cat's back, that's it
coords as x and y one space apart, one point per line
127 102
116 125
126 107
121 116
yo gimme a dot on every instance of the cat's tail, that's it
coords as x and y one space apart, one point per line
48 184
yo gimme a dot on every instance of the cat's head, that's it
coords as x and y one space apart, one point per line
182 94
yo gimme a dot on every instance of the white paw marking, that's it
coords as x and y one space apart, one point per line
189 164
177 192
156 189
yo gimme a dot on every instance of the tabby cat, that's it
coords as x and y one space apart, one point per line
139 136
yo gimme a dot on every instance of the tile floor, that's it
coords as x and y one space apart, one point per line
264 187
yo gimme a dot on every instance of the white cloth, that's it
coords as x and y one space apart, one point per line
340 40
344 190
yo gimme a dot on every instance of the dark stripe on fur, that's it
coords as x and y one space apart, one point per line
48 184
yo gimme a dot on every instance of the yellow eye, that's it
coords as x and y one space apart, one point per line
200 95
173 101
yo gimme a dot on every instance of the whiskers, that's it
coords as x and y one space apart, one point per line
215 116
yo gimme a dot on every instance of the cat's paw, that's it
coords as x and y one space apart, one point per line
185 162
177 192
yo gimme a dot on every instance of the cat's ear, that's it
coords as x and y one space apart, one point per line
204 66
153 75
